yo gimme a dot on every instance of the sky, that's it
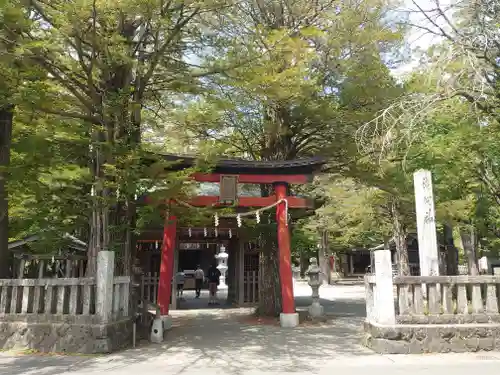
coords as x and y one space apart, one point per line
418 39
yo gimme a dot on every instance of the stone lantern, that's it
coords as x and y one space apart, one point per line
313 272
221 258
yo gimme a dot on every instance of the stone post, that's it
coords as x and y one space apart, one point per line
426 225
384 312
314 272
296 276
104 287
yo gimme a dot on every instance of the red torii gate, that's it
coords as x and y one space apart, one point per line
228 173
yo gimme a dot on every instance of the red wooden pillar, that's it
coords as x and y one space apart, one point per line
167 264
285 259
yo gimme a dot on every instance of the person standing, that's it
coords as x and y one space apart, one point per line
199 277
213 282
179 279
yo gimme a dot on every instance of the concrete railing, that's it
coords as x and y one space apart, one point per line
447 299
121 296
104 298
48 296
438 299
415 314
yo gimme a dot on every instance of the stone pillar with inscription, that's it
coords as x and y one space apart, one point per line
426 224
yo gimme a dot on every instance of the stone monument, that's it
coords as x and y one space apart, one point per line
314 272
426 225
222 266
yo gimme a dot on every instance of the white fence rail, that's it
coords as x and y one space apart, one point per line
65 297
431 299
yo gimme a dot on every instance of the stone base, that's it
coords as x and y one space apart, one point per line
334 277
157 331
65 337
431 338
289 320
316 310
167 322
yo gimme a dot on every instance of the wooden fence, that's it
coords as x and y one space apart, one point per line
43 266
251 287
149 287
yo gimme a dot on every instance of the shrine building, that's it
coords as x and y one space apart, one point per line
230 196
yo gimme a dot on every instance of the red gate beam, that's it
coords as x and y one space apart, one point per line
255 178
213 201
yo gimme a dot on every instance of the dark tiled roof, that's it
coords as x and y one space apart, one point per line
295 166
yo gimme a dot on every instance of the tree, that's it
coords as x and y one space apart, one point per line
470 34
303 245
463 68
48 177
459 74
18 81
106 62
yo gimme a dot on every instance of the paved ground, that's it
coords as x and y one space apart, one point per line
225 341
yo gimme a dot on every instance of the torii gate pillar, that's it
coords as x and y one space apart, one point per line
167 268
289 318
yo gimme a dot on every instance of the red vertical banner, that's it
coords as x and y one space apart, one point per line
167 264
285 258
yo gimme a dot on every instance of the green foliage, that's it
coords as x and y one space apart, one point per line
353 214
97 84
304 242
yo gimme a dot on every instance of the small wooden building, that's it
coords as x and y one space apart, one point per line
67 261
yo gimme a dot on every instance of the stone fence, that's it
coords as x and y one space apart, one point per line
75 297
79 315
415 314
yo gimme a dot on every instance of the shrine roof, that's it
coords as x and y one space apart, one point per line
241 166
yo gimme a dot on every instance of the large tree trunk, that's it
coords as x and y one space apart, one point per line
114 145
323 257
6 120
269 283
303 264
400 233
467 237
99 234
131 206
451 250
